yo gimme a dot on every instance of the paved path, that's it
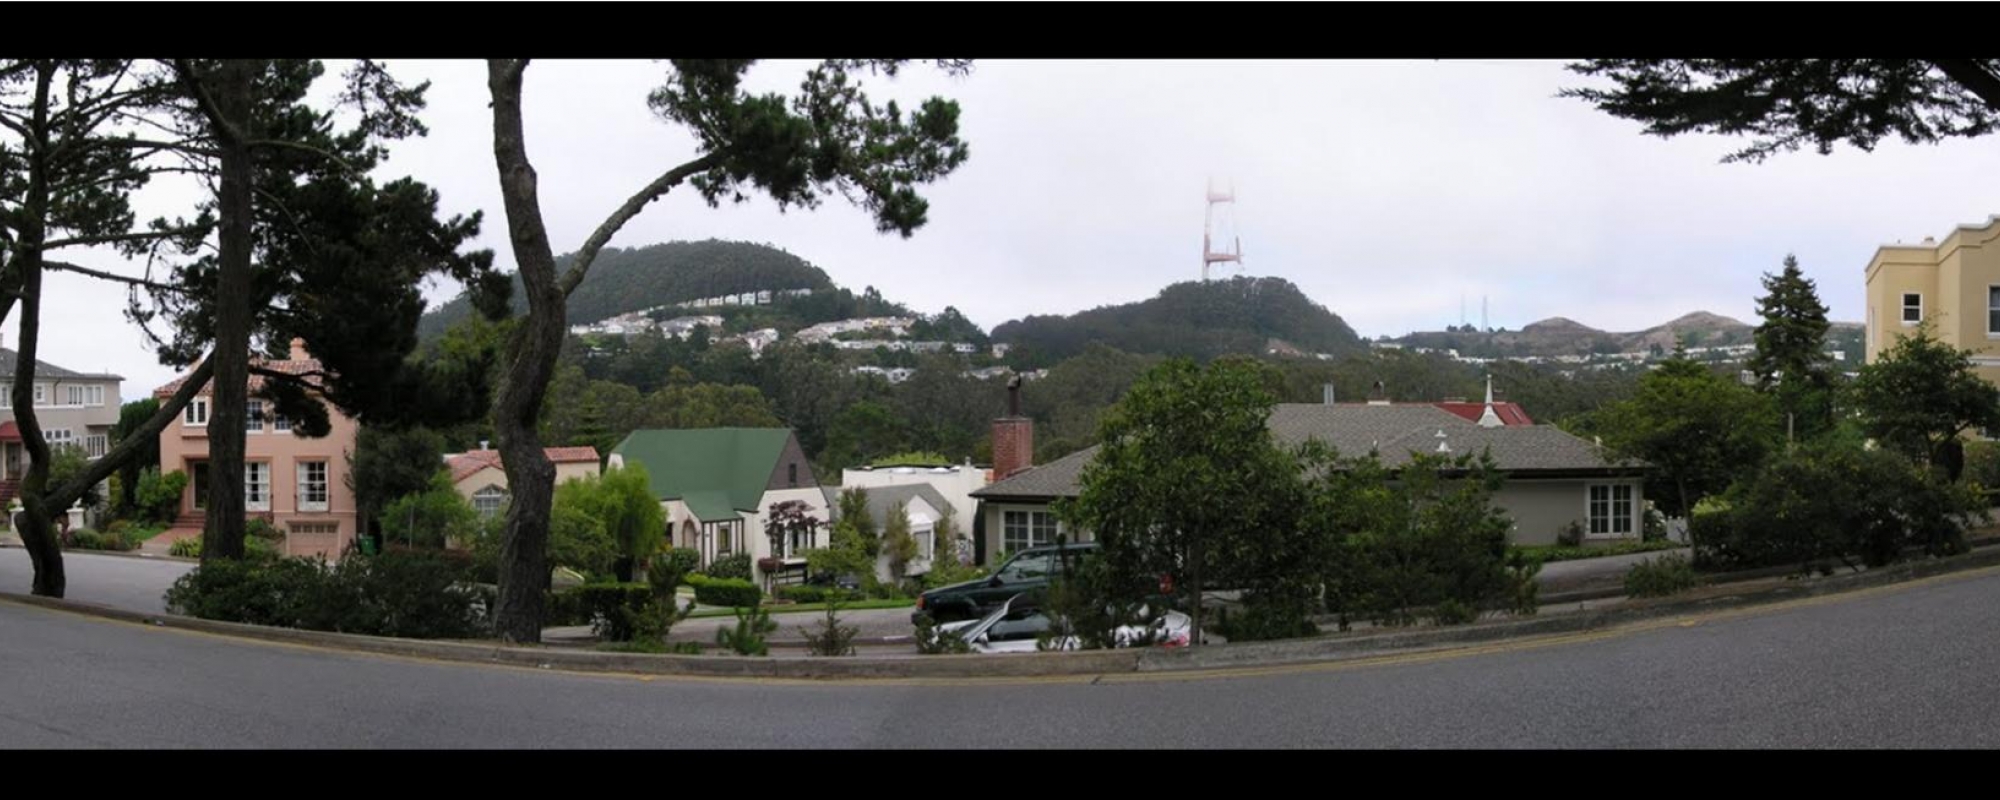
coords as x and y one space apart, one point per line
1909 667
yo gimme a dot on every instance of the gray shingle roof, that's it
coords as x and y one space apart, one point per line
1393 431
10 360
881 498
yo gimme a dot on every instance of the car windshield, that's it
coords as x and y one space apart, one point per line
1028 567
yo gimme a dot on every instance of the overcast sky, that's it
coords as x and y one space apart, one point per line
1386 190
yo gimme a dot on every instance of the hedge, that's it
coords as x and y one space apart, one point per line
733 592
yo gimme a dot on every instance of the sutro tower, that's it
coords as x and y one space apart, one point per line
1208 253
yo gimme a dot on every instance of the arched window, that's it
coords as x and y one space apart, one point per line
489 501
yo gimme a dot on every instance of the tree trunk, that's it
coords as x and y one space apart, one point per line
44 550
223 538
524 567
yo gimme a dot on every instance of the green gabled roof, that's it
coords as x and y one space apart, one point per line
716 471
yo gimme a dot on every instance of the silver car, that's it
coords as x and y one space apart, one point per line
1011 630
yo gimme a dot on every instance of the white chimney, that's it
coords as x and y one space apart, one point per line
299 350
482 445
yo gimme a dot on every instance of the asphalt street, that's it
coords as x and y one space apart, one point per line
1906 667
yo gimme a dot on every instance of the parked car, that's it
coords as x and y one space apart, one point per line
1026 572
1017 625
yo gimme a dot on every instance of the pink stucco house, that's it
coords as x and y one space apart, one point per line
296 483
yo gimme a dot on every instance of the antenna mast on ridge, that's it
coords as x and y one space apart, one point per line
1208 253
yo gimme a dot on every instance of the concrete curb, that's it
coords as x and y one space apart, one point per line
1331 648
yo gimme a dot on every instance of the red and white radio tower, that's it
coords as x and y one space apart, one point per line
1208 252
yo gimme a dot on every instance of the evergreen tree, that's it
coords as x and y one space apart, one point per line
1791 361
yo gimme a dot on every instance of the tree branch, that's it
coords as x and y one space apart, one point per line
209 109
129 446
118 237
653 191
1974 76
156 145
158 287
305 148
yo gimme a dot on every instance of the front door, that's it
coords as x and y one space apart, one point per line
200 485
13 463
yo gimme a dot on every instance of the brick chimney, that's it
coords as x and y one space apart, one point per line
1013 436
299 350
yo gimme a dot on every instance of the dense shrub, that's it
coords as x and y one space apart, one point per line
734 592
1661 577
159 496
624 612
1570 535
732 566
1264 621
1833 504
682 560
398 593
186 548
261 528
808 593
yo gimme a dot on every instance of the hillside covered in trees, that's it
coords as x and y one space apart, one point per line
1197 319
625 280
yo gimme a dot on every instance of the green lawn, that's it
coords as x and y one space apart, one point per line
140 533
1554 552
794 608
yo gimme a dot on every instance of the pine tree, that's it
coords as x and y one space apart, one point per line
1791 361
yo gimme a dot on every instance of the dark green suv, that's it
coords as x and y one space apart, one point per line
1025 572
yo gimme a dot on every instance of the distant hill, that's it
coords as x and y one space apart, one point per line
1561 336
1197 319
625 280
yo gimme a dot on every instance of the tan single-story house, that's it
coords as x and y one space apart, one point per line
1554 479
482 478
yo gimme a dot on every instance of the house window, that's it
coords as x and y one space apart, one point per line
792 474
257 486
95 397
1993 311
253 417
41 394
59 437
96 445
489 501
1021 530
6 395
195 415
279 422
1913 308
77 395
1611 509
315 528
312 486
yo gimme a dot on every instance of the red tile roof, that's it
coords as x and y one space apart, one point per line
288 366
1510 414
9 432
463 465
